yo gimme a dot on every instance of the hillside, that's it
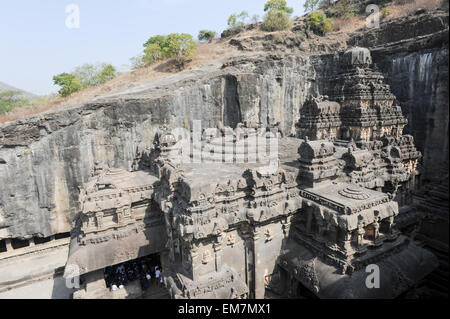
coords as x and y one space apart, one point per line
26 95
251 39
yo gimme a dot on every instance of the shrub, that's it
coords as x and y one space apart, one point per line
277 5
206 35
69 83
318 22
9 100
276 20
342 9
233 31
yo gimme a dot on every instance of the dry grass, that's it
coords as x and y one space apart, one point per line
403 8
206 52
348 25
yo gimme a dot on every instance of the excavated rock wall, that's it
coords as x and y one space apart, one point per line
45 159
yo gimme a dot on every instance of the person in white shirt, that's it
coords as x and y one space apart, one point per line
158 275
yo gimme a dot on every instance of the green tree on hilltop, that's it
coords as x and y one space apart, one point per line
181 47
108 72
94 74
237 20
206 35
69 83
311 5
277 5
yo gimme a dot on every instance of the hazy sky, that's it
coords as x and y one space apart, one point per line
36 44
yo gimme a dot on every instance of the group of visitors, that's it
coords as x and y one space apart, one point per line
147 270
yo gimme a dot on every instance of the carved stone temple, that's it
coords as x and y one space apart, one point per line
307 221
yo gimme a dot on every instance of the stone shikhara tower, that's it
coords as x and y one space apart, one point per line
309 224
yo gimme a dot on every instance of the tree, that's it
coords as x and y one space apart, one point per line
237 20
311 5
94 74
182 47
206 35
107 73
69 83
255 18
86 73
153 53
276 20
157 39
137 62
277 5
10 100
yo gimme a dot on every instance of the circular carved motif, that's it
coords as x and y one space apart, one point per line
354 192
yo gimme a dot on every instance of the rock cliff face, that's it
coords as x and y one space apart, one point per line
44 159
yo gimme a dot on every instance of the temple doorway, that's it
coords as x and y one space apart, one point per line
139 278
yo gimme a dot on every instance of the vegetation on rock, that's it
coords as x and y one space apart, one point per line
343 9
318 22
207 35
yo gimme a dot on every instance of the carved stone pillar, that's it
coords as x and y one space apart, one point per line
347 243
218 252
308 217
99 217
322 227
8 244
360 235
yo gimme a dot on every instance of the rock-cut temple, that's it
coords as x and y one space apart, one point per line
307 221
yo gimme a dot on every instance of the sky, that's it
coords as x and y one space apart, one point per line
36 42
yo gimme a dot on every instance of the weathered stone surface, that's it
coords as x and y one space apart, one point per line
46 158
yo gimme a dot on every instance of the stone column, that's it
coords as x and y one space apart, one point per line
308 217
8 244
259 275
360 234
218 253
